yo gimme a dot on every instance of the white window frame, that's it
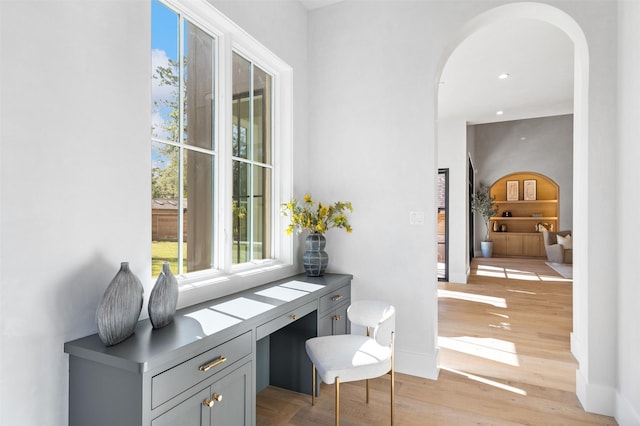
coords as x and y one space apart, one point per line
230 38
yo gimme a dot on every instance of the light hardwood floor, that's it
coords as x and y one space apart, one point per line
504 359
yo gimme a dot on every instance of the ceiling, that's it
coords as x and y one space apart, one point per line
538 59
315 4
537 56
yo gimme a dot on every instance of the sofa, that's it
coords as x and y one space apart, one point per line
559 246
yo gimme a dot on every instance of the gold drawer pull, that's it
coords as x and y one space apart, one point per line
337 317
293 317
215 363
336 298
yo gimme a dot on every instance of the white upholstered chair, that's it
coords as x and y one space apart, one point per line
559 246
350 357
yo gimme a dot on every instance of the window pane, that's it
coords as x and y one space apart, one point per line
261 147
240 211
261 213
183 109
164 206
164 69
198 77
241 114
198 185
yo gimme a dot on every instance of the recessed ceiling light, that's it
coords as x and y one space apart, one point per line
499 112
503 76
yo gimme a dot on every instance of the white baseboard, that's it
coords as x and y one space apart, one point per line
595 398
459 278
626 414
417 364
574 346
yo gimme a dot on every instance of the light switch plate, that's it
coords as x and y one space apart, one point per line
416 218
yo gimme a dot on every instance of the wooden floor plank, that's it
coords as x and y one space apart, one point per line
504 355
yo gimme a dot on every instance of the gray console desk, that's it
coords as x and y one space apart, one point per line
206 367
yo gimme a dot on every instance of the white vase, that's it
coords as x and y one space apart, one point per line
120 307
487 248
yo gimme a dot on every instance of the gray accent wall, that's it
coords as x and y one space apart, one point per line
547 148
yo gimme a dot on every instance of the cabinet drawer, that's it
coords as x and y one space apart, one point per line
283 320
335 322
328 301
170 383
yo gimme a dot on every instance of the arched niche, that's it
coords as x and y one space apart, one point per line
529 198
527 203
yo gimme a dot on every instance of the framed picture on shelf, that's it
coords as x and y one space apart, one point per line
530 190
513 187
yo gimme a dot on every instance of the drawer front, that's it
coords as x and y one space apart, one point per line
284 320
335 298
335 322
170 383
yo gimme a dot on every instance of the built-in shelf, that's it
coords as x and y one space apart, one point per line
521 237
528 202
527 218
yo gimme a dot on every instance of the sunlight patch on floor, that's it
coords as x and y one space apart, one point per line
502 325
491 271
521 275
521 291
493 349
516 274
498 302
487 381
555 278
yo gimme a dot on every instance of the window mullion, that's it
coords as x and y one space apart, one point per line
181 152
225 153
250 235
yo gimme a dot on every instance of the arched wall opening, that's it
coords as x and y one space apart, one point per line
564 22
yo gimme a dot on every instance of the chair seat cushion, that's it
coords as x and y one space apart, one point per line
350 357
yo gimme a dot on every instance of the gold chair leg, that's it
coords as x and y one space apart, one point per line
313 384
367 386
393 375
337 401
392 392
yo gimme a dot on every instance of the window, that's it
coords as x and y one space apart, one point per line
215 189
252 169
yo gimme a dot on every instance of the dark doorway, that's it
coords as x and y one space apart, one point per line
443 224
470 182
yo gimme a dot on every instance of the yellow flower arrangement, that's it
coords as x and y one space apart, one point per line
316 217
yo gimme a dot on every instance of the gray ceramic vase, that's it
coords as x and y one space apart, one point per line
164 298
315 259
120 307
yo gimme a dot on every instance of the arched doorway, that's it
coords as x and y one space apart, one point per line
559 19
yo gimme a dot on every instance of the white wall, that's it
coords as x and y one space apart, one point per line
628 401
547 149
75 184
453 154
75 161
372 67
